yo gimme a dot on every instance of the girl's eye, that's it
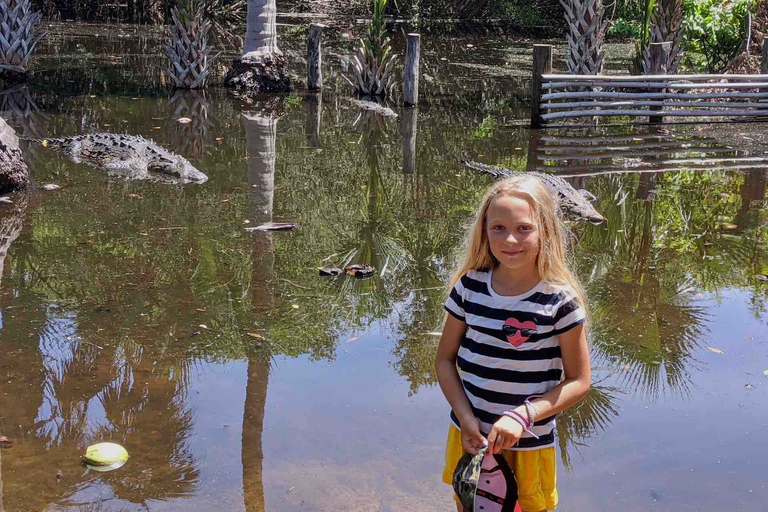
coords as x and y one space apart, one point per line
497 228
526 228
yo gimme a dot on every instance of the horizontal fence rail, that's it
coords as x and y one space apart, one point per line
558 97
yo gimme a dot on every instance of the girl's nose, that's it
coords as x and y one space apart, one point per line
511 239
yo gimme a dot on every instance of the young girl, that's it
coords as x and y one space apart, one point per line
513 352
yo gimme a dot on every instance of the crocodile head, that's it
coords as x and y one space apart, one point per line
583 211
176 169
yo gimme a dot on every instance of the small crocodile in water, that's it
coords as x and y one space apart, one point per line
129 156
574 203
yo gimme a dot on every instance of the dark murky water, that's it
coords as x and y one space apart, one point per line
237 378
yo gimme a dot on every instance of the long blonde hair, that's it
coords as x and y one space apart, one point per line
552 260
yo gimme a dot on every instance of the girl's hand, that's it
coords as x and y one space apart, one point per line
505 434
471 438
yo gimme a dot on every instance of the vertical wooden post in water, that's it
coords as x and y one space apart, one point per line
659 59
533 150
542 64
764 69
411 75
410 119
315 57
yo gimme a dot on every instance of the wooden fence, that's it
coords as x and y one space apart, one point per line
578 155
563 97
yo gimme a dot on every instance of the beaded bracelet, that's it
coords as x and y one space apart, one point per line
521 420
518 417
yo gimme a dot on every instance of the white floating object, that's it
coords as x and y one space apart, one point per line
105 456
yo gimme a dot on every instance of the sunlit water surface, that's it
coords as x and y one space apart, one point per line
239 379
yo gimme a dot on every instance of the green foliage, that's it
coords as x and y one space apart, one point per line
625 28
714 32
486 128
374 63
643 38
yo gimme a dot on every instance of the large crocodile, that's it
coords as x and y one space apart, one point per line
129 156
572 202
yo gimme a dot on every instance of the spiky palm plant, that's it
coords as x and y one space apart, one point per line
374 64
663 23
189 50
586 33
19 34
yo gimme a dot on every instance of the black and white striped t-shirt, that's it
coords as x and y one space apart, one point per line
500 370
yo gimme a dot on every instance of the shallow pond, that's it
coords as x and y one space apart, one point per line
237 378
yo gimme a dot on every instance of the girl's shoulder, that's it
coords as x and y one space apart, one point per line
475 280
558 294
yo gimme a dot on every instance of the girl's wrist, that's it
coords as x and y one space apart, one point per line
465 418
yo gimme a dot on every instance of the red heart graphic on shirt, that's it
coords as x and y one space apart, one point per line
518 338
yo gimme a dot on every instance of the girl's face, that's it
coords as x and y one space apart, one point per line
512 233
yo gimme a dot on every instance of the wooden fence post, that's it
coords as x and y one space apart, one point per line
764 70
411 75
533 150
542 64
659 58
410 120
315 57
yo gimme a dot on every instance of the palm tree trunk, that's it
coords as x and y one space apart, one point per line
261 30
586 33
667 25
261 67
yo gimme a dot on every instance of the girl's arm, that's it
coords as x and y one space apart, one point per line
450 383
573 346
578 377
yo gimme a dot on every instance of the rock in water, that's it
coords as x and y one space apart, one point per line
105 456
14 174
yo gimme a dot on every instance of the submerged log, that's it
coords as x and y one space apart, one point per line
13 170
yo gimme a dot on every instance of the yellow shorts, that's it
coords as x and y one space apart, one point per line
535 472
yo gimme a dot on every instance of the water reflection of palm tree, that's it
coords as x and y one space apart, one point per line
189 138
94 388
641 303
586 419
261 134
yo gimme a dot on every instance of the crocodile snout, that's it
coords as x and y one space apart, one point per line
191 174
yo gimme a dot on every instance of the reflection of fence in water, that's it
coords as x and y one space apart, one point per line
582 155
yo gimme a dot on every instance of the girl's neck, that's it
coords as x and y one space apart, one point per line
514 282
